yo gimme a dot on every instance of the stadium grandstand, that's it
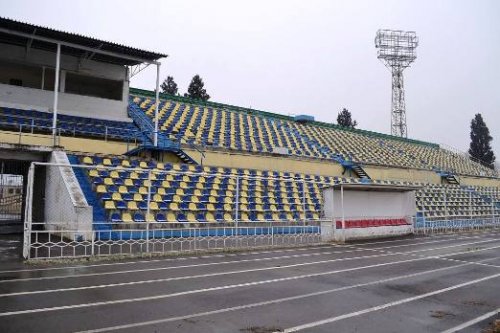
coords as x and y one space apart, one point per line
140 158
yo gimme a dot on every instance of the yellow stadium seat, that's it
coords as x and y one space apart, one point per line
88 160
191 217
109 205
101 189
173 206
122 189
132 205
171 217
210 217
127 218
116 196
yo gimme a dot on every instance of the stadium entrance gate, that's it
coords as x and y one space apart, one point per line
15 161
12 188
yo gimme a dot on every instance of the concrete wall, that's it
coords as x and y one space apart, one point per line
76 105
477 181
65 205
68 143
266 162
414 175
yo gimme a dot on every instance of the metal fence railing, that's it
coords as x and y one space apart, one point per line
135 210
58 240
455 224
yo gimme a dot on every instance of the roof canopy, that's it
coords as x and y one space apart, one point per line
42 38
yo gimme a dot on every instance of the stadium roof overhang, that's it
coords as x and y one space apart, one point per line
86 48
37 37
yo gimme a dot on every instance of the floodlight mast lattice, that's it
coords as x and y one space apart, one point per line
396 49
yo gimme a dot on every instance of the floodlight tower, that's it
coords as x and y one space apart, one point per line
396 49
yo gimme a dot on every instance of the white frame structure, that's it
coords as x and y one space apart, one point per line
60 43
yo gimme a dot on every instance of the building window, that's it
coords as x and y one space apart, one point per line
16 82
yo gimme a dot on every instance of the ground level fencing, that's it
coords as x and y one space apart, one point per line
58 240
450 225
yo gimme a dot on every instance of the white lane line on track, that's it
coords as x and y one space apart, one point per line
254 283
472 321
163 296
264 303
122 284
104 264
388 305
147 261
231 272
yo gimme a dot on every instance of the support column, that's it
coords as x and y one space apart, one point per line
157 103
43 78
56 93
342 208
62 85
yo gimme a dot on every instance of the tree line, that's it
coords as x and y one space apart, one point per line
195 90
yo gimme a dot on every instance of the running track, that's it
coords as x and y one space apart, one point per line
443 283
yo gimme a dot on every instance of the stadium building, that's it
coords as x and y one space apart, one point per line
161 161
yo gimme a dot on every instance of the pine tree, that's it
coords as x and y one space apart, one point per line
196 90
480 148
169 86
344 119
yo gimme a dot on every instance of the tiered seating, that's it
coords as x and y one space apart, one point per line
451 200
207 126
224 127
191 193
41 122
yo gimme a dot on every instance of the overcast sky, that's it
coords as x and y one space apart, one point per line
309 57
